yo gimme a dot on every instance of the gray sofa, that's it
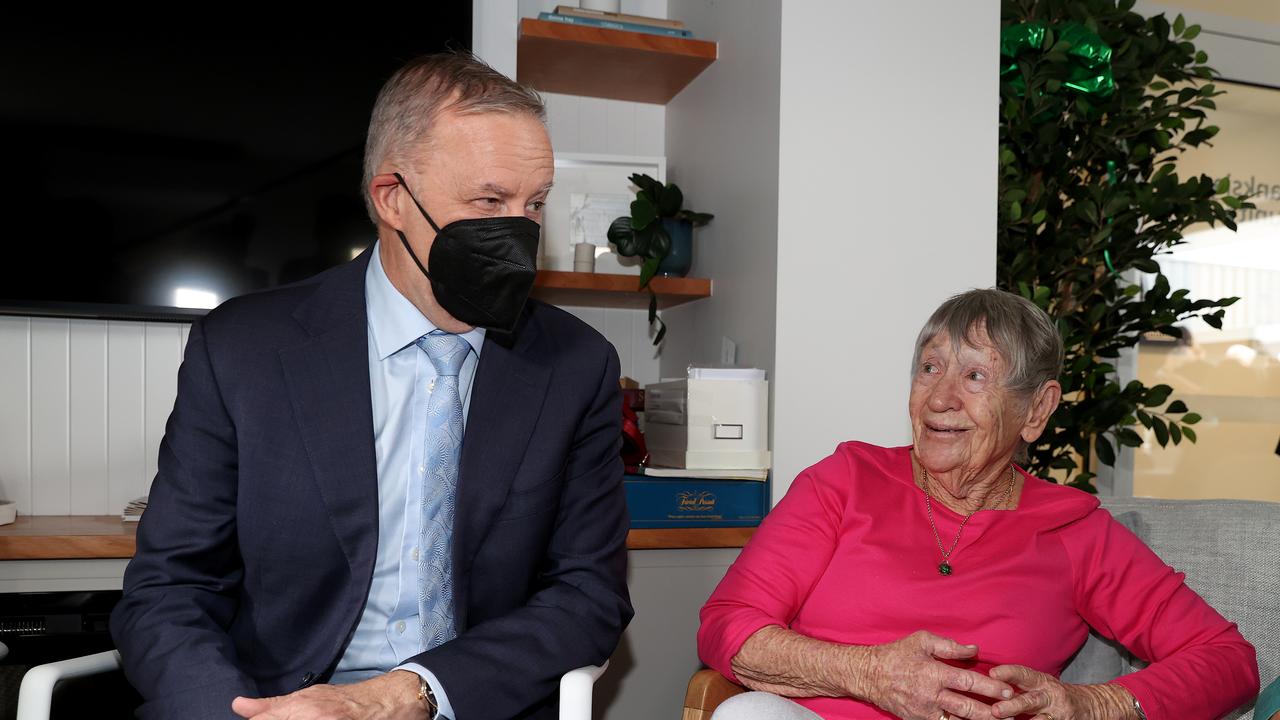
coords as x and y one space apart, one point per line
1230 552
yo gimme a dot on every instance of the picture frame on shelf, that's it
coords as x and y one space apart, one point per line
588 187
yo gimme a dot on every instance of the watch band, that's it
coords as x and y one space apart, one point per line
428 698
1137 708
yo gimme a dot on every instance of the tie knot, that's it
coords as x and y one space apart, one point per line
447 352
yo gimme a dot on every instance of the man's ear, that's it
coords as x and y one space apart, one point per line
1043 403
384 190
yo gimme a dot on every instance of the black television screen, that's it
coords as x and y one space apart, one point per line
149 174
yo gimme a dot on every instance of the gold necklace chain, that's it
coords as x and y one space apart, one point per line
944 567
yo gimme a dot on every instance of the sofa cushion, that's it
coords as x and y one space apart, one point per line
1230 552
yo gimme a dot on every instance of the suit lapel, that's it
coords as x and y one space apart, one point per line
506 399
328 380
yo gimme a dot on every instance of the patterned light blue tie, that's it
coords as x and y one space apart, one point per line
440 484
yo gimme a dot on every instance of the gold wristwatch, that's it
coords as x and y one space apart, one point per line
428 698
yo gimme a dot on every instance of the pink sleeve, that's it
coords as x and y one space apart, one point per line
1201 666
777 569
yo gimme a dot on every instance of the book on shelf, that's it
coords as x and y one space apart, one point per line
706 474
615 25
618 17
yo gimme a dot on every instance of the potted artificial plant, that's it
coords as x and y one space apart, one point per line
1097 103
660 231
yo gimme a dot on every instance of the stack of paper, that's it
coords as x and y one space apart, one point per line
133 511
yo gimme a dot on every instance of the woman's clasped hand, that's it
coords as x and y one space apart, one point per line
908 679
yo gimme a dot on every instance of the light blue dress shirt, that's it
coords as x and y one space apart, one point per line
401 379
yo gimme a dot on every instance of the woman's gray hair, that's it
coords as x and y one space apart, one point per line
1023 334
417 93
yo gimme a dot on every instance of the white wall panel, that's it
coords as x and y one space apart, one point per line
87 389
50 417
126 444
15 411
160 380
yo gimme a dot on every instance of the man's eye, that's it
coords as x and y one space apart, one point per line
977 375
537 205
489 202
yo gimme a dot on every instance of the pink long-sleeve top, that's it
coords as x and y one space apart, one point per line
848 556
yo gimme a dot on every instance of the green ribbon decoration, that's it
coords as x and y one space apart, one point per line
1090 57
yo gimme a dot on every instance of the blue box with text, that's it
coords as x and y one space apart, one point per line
688 502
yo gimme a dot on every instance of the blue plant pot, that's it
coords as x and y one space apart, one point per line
679 261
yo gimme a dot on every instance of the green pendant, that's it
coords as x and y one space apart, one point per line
944 568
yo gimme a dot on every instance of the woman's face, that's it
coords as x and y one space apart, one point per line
963 419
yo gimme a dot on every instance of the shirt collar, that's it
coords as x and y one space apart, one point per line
395 323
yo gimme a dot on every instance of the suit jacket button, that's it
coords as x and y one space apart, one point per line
308 680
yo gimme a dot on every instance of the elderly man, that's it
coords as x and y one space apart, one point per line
392 490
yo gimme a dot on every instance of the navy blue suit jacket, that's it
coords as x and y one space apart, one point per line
256 554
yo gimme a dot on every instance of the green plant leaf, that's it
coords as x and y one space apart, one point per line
647 185
1191 418
670 202
1161 430
1157 395
1106 454
1064 462
622 236
1191 33
1179 24
659 244
1175 433
1128 438
1177 406
647 271
1189 433
698 219
643 212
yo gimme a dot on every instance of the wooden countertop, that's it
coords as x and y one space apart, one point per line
67 537
71 537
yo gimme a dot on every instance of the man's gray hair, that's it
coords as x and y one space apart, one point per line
1023 334
417 93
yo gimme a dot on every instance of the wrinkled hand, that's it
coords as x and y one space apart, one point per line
908 681
393 696
1048 698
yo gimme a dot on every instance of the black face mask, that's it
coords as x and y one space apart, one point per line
481 269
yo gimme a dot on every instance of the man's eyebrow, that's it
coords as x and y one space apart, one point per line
493 189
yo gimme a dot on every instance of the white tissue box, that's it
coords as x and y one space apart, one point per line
8 512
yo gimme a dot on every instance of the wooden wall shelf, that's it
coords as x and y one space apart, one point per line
615 291
615 64
80 537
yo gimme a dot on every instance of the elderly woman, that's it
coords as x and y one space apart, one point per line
941 580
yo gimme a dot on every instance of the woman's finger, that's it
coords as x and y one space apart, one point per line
1032 701
1018 675
977 683
948 649
959 706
